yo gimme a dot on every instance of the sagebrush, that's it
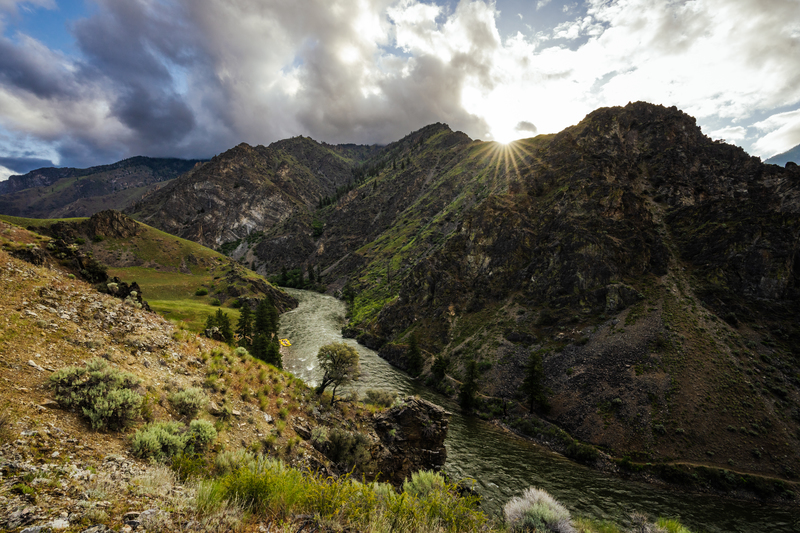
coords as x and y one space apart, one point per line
101 393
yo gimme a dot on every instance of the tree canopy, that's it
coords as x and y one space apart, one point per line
340 365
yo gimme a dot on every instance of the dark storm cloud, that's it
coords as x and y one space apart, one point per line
27 70
23 165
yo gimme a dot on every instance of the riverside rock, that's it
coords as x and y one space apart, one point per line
411 437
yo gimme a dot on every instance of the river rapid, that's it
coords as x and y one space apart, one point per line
501 464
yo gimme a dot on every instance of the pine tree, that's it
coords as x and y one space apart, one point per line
224 325
532 382
244 327
273 354
466 395
414 358
210 322
310 273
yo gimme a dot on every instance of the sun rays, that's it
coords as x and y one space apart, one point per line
505 165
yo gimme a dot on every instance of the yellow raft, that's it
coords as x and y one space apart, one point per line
285 342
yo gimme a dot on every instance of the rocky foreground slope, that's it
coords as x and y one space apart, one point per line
57 472
653 269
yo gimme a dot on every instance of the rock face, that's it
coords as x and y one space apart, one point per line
411 439
250 190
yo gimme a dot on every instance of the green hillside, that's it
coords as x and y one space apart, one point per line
179 279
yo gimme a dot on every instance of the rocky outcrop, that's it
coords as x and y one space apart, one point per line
411 438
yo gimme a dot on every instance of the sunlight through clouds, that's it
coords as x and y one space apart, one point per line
194 77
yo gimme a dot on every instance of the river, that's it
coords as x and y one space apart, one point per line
502 464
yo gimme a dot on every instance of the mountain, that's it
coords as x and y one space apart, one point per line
653 270
792 155
75 192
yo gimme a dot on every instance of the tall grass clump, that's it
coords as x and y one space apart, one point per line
103 394
537 511
189 401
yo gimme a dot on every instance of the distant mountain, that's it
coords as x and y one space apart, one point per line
75 192
791 155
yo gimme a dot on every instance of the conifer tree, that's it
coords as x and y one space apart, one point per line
466 395
244 327
224 324
414 358
532 383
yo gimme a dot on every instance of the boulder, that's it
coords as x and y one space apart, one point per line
411 438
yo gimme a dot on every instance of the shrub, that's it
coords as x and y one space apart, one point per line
103 394
164 440
347 449
383 398
229 461
423 483
159 440
189 401
202 291
536 510
201 433
215 302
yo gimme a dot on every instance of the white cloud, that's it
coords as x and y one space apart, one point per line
194 77
5 173
729 134
783 133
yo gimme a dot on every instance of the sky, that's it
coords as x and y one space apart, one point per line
89 82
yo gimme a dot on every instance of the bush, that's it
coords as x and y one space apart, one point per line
164 440
215 302
159 440
189 401
103 394
348 450
536 510
423 483
201 434
202 291
383 398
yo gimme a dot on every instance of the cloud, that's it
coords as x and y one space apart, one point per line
730 133
783 133
5 173
193 77
526 126
23 165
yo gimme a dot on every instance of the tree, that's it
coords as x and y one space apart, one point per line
244 327
266 320
532 382
439 367
466 394
414 359
224 324
339 364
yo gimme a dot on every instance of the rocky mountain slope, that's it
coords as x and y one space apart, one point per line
248 190
80 192
653 269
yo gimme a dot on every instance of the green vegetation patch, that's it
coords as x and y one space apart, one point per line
103 394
